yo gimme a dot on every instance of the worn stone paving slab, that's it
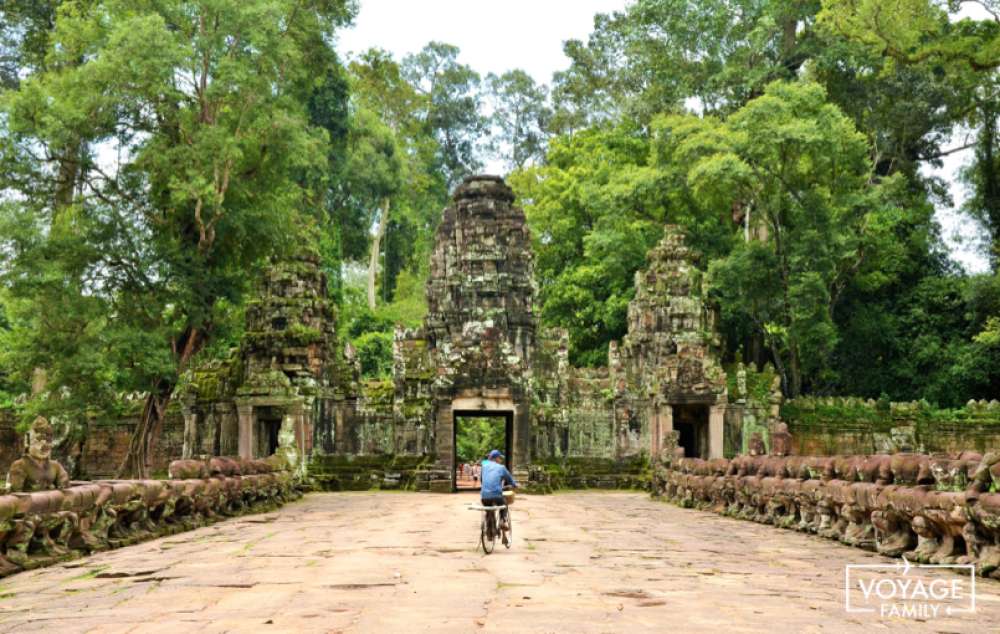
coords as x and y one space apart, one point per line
392 562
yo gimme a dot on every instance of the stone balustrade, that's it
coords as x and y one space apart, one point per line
938 509
45 527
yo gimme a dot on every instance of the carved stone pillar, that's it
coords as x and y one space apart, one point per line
716 426
227 441
246 424
661 426
297 415
445 434
190 432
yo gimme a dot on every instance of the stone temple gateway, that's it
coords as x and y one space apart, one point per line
480 328
294 386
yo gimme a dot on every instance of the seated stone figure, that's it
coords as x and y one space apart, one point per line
34 474
36 471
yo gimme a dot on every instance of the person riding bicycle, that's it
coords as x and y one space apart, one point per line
494 476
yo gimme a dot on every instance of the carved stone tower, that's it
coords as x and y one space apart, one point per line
287 355
481 268
269 395
670 351
480 324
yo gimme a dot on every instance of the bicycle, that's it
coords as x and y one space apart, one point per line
488 527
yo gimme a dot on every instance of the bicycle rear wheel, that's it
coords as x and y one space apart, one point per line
487 537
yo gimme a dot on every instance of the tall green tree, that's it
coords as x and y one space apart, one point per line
196 155
404 239
983 174
520 117
803 176
595 208
25 26
659 55
656 54
328 109
452 107
373 178
917 31
925 36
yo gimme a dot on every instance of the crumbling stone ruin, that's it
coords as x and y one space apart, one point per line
293 388
663 382
936 509
670 354
285 377
480 325
850 425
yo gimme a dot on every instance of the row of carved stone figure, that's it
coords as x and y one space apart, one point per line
932 509
42 527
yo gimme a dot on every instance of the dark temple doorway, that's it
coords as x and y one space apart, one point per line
268 427
476 434
691 424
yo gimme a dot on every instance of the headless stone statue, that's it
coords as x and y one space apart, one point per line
36 471
781 441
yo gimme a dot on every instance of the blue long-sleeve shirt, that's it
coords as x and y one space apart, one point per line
494 477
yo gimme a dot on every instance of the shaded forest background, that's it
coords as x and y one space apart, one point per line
475 438
154 155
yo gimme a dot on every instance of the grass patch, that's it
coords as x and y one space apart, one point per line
90 574
249 545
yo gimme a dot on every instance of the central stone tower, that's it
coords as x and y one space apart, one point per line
481 268
480 325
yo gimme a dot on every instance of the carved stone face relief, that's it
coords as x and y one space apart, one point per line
690 373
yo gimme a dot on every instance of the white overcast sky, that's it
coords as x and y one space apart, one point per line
493 36
529 34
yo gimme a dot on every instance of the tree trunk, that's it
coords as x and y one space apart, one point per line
794 372
989 179
39 381
756 350
142 444
140 447
383 222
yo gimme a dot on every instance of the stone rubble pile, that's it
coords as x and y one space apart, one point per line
937 509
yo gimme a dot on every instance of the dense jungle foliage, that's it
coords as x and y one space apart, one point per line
155 154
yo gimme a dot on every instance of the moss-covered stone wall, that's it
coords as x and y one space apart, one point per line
584 433
754 407
361 473
591 473
831 426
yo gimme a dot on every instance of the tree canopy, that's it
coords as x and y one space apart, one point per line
161 151
155 155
